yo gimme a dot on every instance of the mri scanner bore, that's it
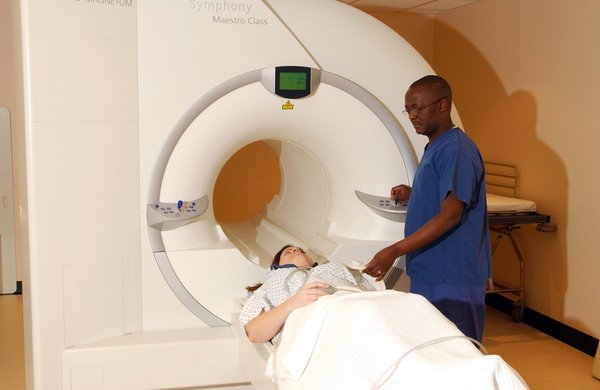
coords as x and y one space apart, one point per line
290 82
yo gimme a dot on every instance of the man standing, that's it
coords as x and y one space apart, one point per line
446 242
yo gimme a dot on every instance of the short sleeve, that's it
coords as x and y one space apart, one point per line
255 304
460 171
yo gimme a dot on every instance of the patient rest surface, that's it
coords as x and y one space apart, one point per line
505 204
350 340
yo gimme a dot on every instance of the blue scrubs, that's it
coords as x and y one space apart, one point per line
463 305
457 265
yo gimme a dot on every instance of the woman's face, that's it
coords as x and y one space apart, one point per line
296 256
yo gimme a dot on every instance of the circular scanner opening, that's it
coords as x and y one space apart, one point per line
247 183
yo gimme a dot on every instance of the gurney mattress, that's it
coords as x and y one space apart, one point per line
505 204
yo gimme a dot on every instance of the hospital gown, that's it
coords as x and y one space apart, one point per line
285 282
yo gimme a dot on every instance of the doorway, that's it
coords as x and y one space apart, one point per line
8 263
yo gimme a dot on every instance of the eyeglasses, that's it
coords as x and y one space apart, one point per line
417 110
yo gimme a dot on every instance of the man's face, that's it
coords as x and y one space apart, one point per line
423 110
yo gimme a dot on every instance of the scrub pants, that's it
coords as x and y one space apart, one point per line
463 305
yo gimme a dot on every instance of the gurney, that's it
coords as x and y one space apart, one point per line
507 212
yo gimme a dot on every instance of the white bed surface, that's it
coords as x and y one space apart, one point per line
349 341
504 204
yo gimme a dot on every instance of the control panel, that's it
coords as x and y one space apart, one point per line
386 207
169 216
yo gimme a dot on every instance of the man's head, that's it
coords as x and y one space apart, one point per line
427 103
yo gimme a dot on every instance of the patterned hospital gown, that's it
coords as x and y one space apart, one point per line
275 290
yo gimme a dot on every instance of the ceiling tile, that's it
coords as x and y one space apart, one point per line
445 4
395 4
426 7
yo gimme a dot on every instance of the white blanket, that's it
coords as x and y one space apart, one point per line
349 341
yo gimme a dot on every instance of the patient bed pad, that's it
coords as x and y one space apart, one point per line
504 204
349 341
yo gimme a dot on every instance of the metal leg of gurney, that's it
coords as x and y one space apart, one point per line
519 305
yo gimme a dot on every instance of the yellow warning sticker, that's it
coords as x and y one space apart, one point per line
287 106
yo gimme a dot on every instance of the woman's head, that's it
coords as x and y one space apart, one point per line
291 254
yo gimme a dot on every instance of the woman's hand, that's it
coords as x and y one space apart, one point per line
309 293
268 323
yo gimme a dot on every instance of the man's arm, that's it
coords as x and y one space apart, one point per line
451 209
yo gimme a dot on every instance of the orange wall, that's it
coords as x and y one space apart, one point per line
528 80
418 30
247 182
526 83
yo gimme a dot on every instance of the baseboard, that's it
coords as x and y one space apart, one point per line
571 336
18 289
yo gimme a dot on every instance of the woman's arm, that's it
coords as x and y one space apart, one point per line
268 323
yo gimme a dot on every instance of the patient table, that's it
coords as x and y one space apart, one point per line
505 214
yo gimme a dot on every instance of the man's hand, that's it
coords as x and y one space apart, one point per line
381 262
401 193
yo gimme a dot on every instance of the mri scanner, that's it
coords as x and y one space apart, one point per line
133 109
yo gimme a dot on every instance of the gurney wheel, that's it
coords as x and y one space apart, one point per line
518 311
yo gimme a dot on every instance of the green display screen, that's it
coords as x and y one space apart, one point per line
292 81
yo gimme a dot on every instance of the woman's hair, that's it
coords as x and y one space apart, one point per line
277 256
275 261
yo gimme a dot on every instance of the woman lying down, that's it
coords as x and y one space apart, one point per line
328 338
293 281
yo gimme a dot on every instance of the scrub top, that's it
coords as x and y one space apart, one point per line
451 163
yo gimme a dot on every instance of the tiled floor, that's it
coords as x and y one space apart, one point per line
544 362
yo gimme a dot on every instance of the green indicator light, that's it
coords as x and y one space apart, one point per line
292 81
